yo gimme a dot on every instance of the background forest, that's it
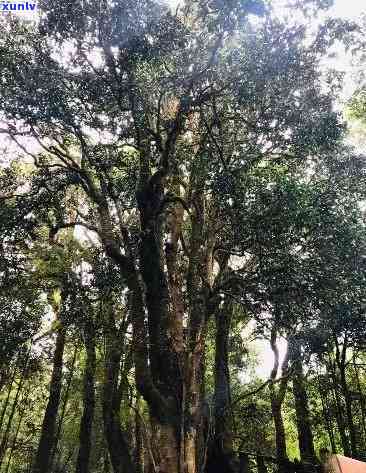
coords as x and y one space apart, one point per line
180 188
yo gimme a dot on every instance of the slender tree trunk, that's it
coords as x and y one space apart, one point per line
86 423
12 448
341 424
106 462
221 454
350 422
55 454
277 398
117 444
139 435
6 403
280 435
362 399
222 380
116 440
244 463
328 421
5 437
261 466
20 420
339 410
203 427
341 361
305 435
63 468
46 442
341 364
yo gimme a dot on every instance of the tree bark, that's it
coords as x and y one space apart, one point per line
277 398
341 364
166 367
327 418
118 448
5 404
168 455
169 381
199 281
222 378
139 447
5 436
339 410
305 435
46 442
221 453
280 436
20 420
56 455
86 423
261 466
244 463
106 462
361 394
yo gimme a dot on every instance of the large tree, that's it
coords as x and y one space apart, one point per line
167 128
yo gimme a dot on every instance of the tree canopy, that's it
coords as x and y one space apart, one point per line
178 184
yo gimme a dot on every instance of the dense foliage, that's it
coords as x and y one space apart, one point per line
177 191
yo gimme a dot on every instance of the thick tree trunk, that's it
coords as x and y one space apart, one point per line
46 442
159 375
169 381
305 435
168 461
86 423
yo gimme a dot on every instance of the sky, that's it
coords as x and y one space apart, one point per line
350 9
345 8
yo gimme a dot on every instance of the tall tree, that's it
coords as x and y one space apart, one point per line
183 134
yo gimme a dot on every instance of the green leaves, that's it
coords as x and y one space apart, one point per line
357 106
